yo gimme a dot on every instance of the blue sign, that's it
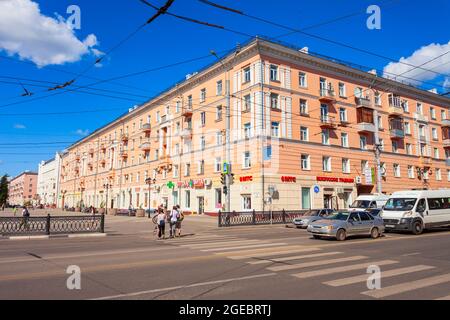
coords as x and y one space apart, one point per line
316 189
225 168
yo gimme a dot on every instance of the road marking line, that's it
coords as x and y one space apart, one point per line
328 271
199 284
267 253
444 298
410 254
314 255
245 247
384 274
219 243
315 263
202 241
408 286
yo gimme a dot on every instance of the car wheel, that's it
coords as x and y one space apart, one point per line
417 227
374 233
341 235
317 237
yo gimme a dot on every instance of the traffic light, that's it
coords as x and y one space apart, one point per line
231 178
225 190
223 179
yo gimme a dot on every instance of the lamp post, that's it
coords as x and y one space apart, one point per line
149 181
107 186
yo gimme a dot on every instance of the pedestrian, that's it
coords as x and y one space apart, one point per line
178 224
25 218
173 221
161 221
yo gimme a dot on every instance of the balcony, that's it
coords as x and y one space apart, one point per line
77 157
426 161
327 95
187 112
446 143
327 122
145 146
123 153
103 162
395 110
103 147
420 117
446 123
447 162
124 137
186 134
397 133
366 127
91 151
165 121
146 127
363 103
423 139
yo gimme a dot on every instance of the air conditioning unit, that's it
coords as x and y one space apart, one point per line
358 180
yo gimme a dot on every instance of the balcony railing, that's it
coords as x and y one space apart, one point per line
146 127
420 117
327 95
446 143
363 102
123 153
395 110
124 137
447 162
366 127
397 134
423 139
186 133
145 146
446 123
187 111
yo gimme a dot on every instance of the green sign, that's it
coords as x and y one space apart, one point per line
170 185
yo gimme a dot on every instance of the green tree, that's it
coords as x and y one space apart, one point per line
4 190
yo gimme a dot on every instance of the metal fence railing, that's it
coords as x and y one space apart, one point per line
245 218
47 225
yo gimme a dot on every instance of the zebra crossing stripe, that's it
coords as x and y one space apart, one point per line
315 263
245 247
306 256
267 253
322 272
408 286
384 274
219 243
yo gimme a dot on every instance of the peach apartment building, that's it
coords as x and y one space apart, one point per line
22 188
302 135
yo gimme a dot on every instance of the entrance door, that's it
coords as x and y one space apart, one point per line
328 201
165 202
201 205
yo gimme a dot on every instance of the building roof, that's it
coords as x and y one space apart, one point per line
30 173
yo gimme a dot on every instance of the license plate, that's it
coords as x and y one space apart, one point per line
389 226
315 231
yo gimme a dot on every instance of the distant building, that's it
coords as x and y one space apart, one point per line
22 188
47 182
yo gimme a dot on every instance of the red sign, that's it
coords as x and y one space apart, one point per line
246 179
288 179
334 179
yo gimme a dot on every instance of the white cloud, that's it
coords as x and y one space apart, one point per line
82 132
25 31
19 126
446 84
419 57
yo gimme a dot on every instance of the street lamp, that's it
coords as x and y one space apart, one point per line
107 186
149 181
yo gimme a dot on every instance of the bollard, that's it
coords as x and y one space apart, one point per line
47 225
102 223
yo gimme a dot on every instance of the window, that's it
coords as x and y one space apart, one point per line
202 143
302 81
363 142
342 90
409 148
158 117
436 153
218 197
326 164
304 136
411 172
203 95
396 170
434 133
381 141
247 75
273 72
407 128
443 115
178 107
177 149
306 198
201 167
203 118
378 99
433 113
175 171
438 175
344 139
189 101
303 107
187 198
325 136
187 169
218 113
268 153
247 102
247 130
219 138
419 108
394 147
343 114
274 101
275 129
448 175
345 165
246 163
219 88
305 162
217 164
364 166
246 202
380 123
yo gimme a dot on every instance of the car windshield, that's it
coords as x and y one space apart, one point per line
360 204
339 216
311 213
400 204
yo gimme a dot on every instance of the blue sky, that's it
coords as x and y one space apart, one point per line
406 26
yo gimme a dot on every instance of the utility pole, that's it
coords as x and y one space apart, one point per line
377 148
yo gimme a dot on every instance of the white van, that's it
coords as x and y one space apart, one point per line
369 201
417 210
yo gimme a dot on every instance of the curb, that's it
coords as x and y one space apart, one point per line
44 237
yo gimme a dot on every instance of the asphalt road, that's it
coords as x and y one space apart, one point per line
256 262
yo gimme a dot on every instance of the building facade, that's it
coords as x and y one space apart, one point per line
303 131
48 181
22 189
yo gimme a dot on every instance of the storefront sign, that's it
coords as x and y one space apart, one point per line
335 179
191 184
288 179
246 179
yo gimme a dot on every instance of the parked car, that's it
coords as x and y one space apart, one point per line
311 216
342 224
375 212
369 201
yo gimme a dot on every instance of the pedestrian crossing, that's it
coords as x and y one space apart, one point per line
334 269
